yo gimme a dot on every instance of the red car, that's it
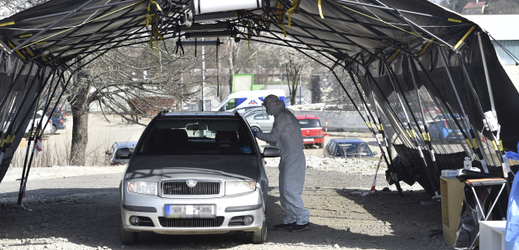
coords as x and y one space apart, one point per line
311 129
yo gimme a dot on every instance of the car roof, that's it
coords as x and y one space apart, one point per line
126 144
300 117
347 140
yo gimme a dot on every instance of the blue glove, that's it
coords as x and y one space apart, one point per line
254 132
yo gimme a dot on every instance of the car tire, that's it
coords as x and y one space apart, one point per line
256 129
128 238
54 129
260 236
321 145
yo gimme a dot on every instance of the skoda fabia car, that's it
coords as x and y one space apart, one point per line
195 173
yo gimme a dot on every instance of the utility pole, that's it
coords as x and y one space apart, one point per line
203 75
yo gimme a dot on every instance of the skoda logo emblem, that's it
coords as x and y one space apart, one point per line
191 183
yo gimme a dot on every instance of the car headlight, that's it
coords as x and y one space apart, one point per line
238 187
142 187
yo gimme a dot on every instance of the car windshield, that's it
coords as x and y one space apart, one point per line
309 123
354 149
196 137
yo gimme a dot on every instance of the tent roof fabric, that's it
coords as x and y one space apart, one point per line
57 31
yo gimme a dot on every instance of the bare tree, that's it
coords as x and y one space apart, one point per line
131 82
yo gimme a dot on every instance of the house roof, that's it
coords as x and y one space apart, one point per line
474 5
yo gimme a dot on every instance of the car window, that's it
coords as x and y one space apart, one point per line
309 123
131 150
262 116
196 137
354 149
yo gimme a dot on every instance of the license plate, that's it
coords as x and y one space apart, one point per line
308 139
190 211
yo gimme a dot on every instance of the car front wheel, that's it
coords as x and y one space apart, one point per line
128 238
256 129
260 236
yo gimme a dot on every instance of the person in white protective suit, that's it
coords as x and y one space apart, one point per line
286 136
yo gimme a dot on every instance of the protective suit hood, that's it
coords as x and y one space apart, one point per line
273 105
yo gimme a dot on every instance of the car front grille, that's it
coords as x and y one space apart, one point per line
194 222
181 188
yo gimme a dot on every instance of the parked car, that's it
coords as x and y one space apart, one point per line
58 121
245 110
63 113
113 154
259 120
311 129
49 129
195 173
347 148
440 130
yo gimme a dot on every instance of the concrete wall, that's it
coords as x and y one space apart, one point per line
337 120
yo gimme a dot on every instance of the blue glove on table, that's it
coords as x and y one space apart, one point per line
254 132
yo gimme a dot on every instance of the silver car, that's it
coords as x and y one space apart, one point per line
195 173
113 154
259 120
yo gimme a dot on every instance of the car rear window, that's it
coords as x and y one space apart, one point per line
309 123
354 149
196 137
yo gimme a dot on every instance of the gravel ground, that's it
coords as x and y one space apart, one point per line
78 208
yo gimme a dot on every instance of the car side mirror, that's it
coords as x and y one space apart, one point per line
123 153
271 152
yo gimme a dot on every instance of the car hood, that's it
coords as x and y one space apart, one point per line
159 168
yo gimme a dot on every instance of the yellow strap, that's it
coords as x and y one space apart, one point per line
284 31
494 144
279 12
367 123
157 5
464 37
26 35
425 47
12 139
139 4
424 136
3 142
468 142
428 137
29 51
320 9
381 127
408 134
476 145
17 52
289 11
413 133
394 55
7 24
454 20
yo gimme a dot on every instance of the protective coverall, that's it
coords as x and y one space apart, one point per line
286 134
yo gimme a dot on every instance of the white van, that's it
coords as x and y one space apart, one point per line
243 99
